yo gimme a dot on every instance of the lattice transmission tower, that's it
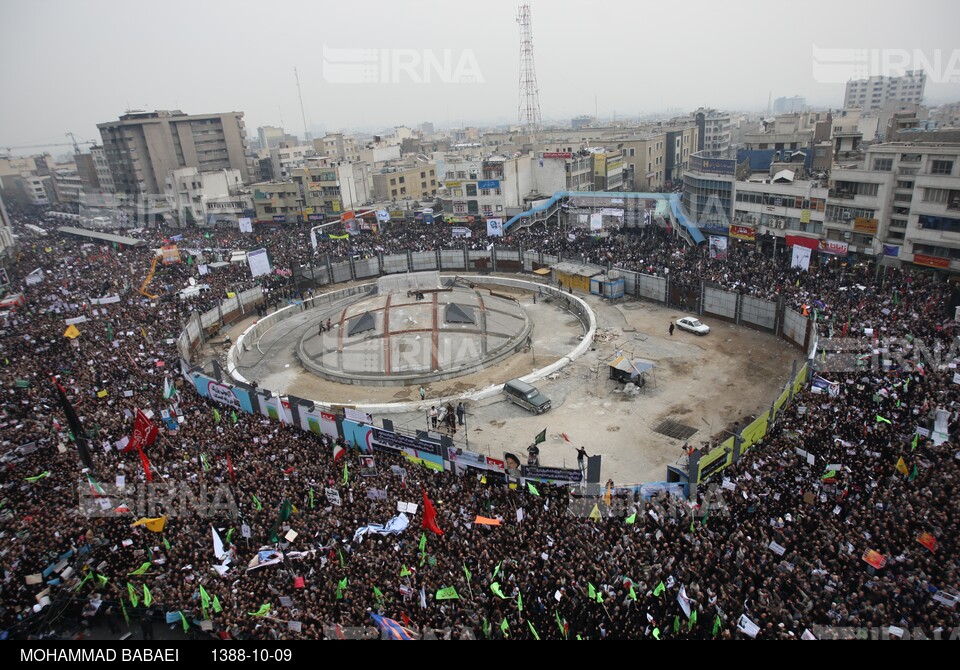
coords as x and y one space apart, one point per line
529 111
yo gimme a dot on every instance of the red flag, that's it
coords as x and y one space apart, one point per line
565 437
144 433
233 476
405 618
146 465
430 515
338 452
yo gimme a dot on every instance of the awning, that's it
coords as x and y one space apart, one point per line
631 366
800 241
542 271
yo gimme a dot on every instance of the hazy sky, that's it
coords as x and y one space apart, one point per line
66 65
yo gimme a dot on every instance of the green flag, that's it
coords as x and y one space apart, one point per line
183 620
230 535
563 631
83 581
123 608
692 621
660 589
541 437
423 541
134 598
495 587
256 502
346 474
343 563
341 587
37 478
233 416
286 509
676 624
496 570
263 611
378 594
216 604
142 569
692 529
166 543
913 474
881 419
204 598
915 439
591 592
519 601
449 593
533 630
311 498
632 519
404 572
656 633
203 459
486 629
505 627
102 579
600 596
533 489
216 415
716 625
147 596
830 475
633 594
467 573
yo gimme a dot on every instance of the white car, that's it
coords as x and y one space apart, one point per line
693 324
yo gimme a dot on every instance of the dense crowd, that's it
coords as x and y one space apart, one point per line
777 541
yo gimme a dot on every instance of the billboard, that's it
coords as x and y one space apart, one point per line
743 233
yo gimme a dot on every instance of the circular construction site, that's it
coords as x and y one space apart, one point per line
414 330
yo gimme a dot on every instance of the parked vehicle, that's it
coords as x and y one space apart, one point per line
527 396
693 324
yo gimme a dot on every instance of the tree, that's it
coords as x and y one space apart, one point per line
188 217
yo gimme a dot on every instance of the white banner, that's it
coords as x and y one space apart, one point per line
801 258
74 321
246 225
259 262
383 216
596 222
35 277
459 231
106 300
718 247
494 227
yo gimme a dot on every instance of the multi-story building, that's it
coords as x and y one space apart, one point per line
142 147
708 191
6 230
67 186
287 158
207 197
37 189
104 176
777 206
313 192
714 130
875 92
416 182
607 170
791 105
338 147
270 137
946 116
681 143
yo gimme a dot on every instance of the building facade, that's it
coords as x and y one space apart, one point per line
142 147
875 92
714 132
415 182
207 197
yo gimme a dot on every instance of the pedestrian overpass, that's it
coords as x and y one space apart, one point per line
547 208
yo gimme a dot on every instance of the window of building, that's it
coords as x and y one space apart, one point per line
882 164
403 190
393 182
471 190
402 179
941 166
423 175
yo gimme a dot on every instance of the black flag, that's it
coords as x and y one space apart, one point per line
79 436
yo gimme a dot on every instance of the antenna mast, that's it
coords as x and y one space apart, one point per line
306 133
529 111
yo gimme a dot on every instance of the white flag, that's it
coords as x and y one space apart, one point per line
744 625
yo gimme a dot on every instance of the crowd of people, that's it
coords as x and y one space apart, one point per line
841 518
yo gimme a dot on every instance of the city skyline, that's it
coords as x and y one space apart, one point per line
435 62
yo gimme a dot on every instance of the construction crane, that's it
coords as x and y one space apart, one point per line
73 143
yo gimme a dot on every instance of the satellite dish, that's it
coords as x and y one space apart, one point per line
193 282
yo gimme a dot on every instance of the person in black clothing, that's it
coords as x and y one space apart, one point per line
581 457
671 329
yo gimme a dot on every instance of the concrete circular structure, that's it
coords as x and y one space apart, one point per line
251 341
415 331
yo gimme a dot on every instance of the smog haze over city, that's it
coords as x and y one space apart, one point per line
373 64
